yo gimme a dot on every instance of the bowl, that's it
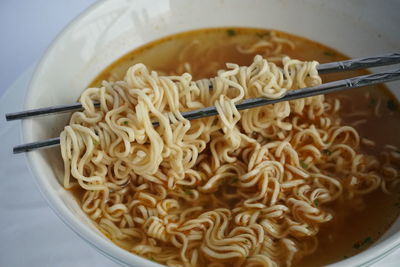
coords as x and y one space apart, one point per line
110 29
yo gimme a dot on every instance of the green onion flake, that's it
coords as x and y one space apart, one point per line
231 32
329 53
187 190
303 165
391 105
327 152
372 102
234 180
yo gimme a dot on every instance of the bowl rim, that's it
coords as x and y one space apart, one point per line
107 247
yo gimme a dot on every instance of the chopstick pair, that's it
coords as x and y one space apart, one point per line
355 82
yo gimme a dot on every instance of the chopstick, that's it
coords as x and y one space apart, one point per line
325 88
359 63
45 111
352 64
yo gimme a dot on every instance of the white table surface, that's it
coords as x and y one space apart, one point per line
30 233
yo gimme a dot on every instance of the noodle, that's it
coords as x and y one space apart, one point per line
243 187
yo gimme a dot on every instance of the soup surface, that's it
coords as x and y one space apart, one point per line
372 111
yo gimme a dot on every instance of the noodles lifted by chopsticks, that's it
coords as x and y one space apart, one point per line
244 187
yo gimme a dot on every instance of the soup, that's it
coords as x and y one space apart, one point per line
357 217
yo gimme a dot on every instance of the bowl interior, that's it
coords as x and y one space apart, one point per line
110 29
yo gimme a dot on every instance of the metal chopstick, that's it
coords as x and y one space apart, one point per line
367 62
326 88
45 111
51 142
359 63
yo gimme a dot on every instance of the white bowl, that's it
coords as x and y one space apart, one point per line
109 29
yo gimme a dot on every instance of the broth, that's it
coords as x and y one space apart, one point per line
352 230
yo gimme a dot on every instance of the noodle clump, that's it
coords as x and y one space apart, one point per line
243 188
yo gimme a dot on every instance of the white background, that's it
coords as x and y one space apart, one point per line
26 29
30 233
